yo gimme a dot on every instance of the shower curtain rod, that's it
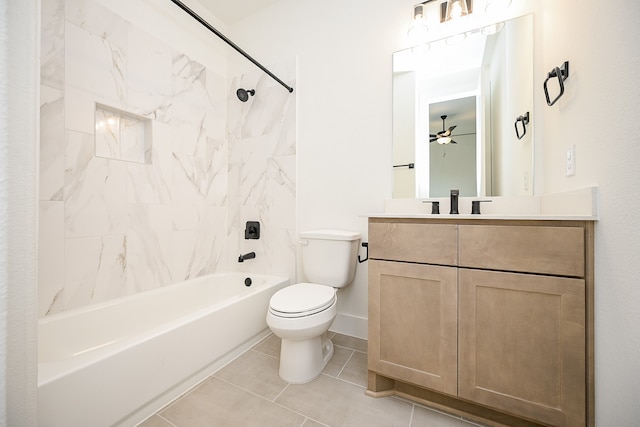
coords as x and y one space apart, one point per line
229 42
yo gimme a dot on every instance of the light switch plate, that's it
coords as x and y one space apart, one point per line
571 160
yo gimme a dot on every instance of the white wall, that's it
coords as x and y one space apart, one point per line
344 139
600 40
18 154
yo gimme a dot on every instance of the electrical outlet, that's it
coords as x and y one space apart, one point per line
571 160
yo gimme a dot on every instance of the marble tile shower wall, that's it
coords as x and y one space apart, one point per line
262 171
110 228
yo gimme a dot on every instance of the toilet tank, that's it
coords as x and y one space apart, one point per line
329 256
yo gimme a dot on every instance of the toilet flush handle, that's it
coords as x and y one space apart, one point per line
361 260
303 242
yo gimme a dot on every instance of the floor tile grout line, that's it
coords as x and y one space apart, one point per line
262 352
413 410
270 401
280 404
166 420
184 395
345 363
364 388
428 408
315 421
281 391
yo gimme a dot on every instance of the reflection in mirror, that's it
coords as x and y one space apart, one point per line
452 159
482 84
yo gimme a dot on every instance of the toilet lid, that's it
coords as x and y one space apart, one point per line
302 299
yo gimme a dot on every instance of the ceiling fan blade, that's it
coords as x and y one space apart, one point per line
447 132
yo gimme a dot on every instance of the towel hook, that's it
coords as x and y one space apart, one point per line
525 121
562 73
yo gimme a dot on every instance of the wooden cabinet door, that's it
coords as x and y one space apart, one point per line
413 323
522 345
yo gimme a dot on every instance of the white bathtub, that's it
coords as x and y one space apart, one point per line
117 363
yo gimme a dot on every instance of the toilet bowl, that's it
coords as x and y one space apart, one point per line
301 314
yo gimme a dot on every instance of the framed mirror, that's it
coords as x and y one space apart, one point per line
455 106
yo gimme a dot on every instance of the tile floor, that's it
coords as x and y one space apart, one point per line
248 392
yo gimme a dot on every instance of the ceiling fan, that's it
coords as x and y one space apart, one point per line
444 136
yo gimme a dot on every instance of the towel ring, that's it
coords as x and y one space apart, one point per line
525 121
562 73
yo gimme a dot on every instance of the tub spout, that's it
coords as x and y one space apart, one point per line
250 255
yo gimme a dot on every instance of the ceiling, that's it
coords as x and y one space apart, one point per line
231 11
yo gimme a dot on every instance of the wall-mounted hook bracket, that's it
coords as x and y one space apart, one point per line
524 119
561 73
361 260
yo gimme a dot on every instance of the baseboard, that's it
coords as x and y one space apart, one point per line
354 326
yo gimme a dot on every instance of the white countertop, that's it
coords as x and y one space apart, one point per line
575 205
533 217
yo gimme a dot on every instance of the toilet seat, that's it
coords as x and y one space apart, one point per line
302 299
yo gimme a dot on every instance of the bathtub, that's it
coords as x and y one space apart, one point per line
118 362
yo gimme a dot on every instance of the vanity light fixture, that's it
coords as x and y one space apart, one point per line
449 10
455 9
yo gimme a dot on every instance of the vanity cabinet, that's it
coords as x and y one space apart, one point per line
489 319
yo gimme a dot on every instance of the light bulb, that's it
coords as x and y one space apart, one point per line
418 30
456 9
418 12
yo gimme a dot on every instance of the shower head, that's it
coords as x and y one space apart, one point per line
243 94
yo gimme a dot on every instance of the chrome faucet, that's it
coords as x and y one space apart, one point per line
250 255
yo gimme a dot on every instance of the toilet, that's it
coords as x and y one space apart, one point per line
301 314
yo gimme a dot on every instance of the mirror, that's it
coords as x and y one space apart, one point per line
476 85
